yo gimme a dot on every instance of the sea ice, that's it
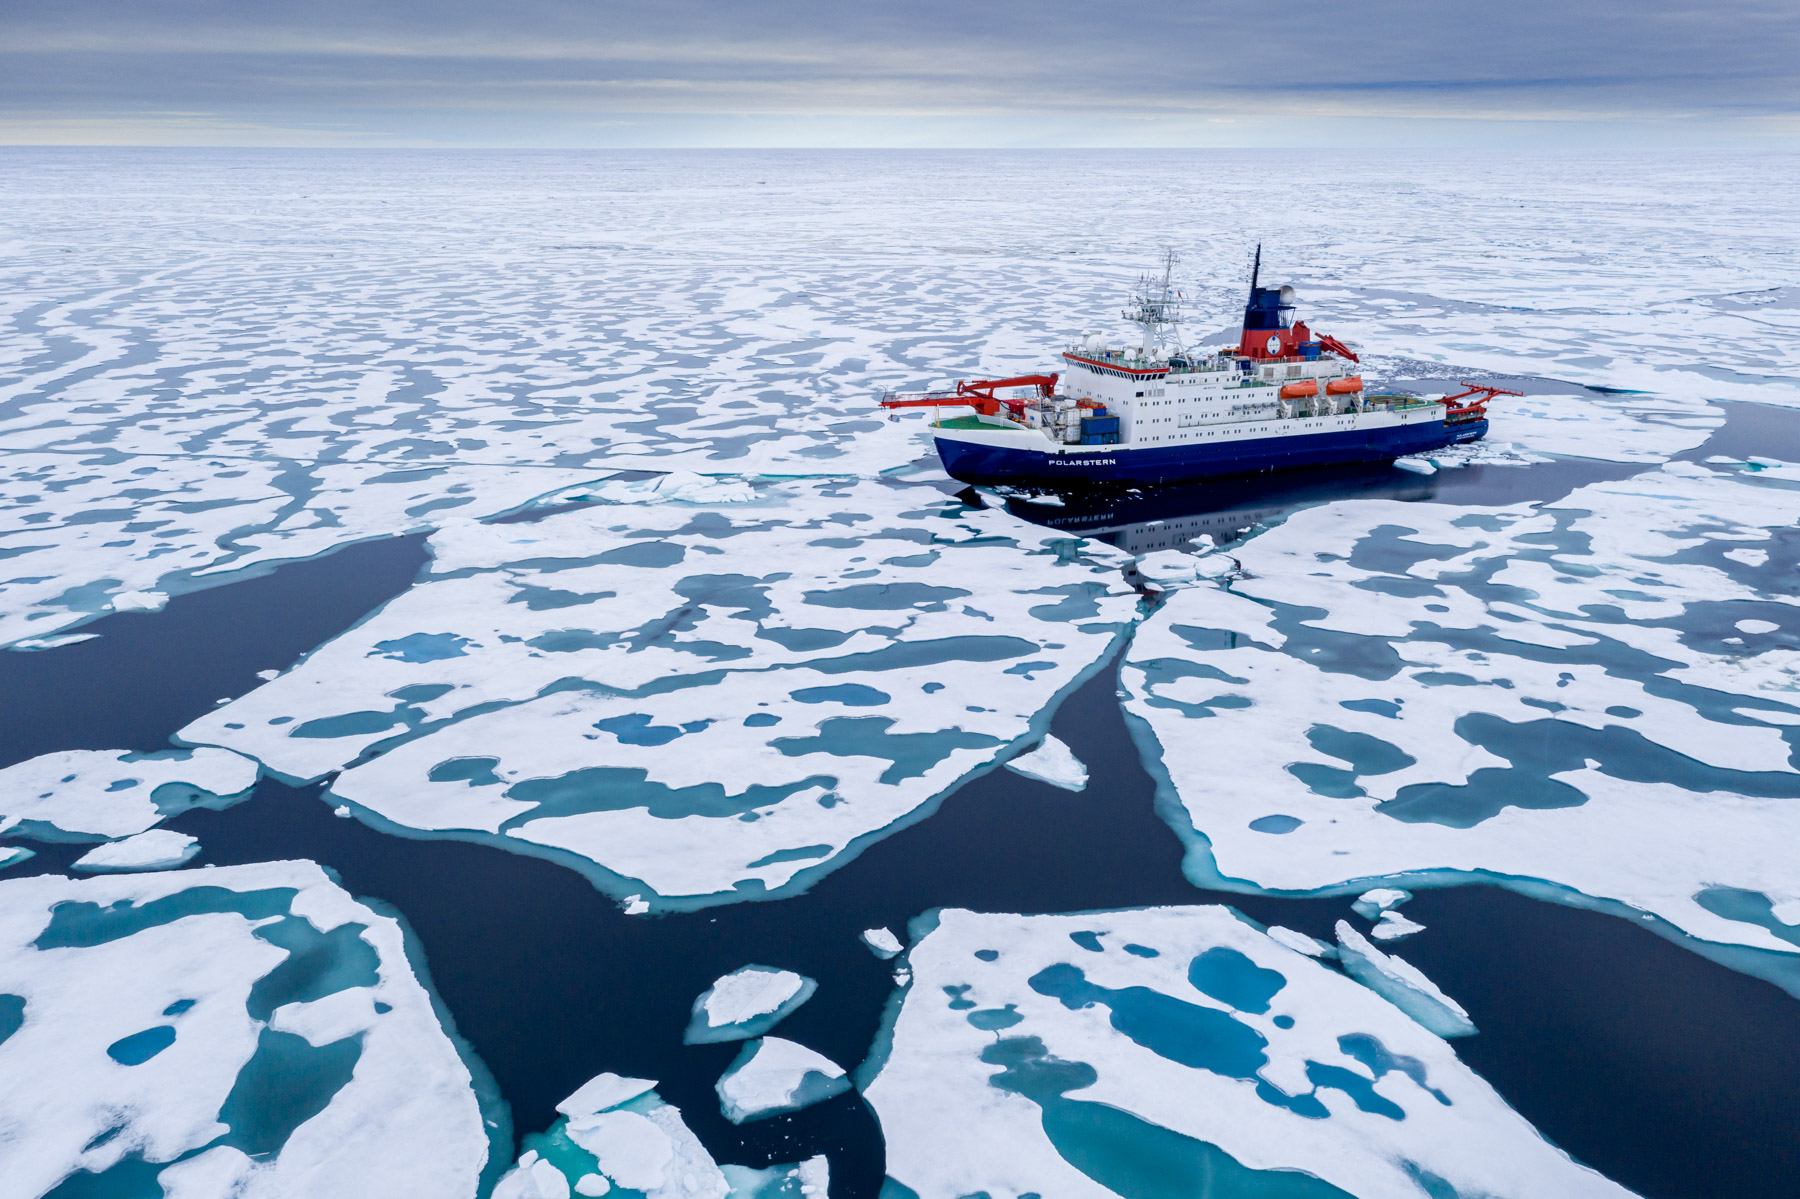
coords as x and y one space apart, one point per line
1371 904
746 1003
616 1134
1173 1050
1392 926
158 849
1054 763
882 943
1299 942
1399 982
12 855
1529 693
810 1179
244 1030
85 794
773 1075
692 703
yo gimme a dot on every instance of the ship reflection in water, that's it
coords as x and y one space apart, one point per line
1226 510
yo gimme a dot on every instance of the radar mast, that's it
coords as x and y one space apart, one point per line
1156 306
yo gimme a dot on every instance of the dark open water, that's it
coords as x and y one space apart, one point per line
1666 1071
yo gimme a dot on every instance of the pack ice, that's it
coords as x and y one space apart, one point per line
695 702
773 1075
1567 692
243 1030
1169 1050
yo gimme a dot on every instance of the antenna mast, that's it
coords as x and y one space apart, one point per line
1156 306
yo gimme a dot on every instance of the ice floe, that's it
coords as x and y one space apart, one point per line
810 1179
1631 428
882 943
1372 903
1546 692
158 849
772 1075
1401 983
244 1030
1392 926
1053 762
695 704
746 1003
82 794
1164 1050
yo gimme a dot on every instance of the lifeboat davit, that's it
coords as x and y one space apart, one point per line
1344 387
1300 390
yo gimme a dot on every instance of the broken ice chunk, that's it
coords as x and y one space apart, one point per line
773 1075
1392 926
882 943
810 1179
1312 947
1401 984
601 1092
139 601
532 1178
1053 762
12 855
158 849
1416 465
1371 904
747 1003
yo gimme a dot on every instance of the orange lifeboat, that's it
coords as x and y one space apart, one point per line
1344 387
1300 390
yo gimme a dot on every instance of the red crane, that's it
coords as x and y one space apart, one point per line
979 395
1475 409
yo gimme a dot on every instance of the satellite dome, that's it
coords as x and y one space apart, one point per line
1287 295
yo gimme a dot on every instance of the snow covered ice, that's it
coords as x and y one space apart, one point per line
695 703
243 1030
1530 692
158 849
882 943
85 794
747 1003
1141 1052
773 1075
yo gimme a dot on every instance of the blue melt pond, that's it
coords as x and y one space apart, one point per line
636 729
140 1047
1275 824
423 647
1229 977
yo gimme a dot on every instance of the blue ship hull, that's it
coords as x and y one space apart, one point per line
973 463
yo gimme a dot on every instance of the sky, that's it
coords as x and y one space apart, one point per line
1047 73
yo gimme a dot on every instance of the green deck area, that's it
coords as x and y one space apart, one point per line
971 422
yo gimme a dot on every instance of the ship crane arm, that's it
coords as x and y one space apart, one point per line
979 395
1337 347
1475 399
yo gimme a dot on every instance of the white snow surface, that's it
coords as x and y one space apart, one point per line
407 1121
1368 742
91 793
882 942
1042 1013
775 1075
1392 926
158 849
1053 762
790 677
646 1146
601 1092
749 992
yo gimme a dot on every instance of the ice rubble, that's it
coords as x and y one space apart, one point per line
1054 763
1087 1055
249 1030
158 849
1373 902
1529 692
695 703
618 1134
85 794
746 1003
1392 926
772 1075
